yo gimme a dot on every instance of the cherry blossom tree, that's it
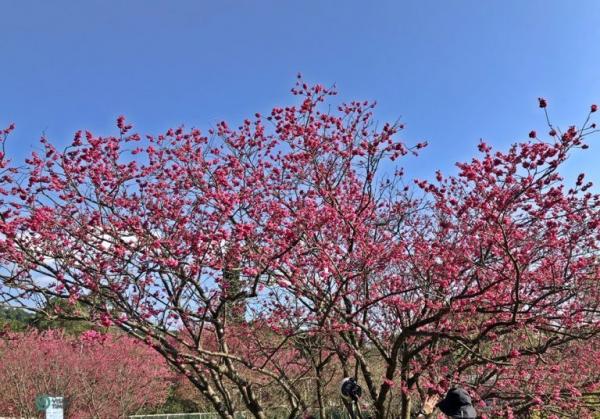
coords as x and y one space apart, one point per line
561 382
265 256
100 376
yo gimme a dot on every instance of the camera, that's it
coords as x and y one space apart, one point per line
350 389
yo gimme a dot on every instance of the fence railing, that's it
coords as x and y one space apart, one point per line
205 415
330 413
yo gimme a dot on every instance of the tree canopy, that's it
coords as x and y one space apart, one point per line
268 261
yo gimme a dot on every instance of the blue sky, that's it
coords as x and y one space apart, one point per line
453 70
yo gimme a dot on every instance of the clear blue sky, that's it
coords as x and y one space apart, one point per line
453 70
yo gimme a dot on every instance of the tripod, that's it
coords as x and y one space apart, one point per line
354 409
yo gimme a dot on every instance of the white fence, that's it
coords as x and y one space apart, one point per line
331 413
208 415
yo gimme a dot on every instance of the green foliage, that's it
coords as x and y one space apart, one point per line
15 319
175 403
59 314
71 318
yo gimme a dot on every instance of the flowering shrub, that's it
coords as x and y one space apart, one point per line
100 376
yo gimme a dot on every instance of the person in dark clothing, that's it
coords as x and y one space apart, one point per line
457 404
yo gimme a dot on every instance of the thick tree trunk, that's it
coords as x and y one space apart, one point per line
320 397
406 407
404 398
256 410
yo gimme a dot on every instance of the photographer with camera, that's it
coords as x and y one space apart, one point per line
351 393
456 404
